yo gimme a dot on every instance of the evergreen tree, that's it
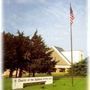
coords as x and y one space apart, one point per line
24 54
9 52
16 52
80 68
41 60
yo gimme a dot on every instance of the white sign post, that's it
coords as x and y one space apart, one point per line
17 83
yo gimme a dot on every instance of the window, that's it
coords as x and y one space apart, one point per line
62 70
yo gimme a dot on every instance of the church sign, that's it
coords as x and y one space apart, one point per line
17 83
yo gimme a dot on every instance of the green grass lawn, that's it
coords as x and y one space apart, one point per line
63 83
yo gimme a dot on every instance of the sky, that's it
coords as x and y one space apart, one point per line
51 18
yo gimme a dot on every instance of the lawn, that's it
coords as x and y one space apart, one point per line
63 83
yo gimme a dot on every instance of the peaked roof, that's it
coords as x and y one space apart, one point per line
58 50
77 55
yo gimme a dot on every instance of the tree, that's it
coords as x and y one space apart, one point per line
16 52
22 52
41 60
80 68
9 52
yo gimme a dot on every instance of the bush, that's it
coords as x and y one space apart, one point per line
79 69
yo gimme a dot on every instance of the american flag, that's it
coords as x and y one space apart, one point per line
71 15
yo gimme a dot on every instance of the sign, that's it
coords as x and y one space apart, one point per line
17 83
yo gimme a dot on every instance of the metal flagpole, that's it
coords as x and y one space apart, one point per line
71 53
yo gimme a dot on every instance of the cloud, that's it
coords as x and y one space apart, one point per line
56 13
42 1
29 1
7 1
23 1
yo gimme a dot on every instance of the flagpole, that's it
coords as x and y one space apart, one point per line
71 53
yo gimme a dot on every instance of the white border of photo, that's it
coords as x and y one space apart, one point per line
1 4
88 43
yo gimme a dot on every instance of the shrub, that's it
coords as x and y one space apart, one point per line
79 69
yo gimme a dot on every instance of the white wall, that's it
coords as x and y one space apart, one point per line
77 55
